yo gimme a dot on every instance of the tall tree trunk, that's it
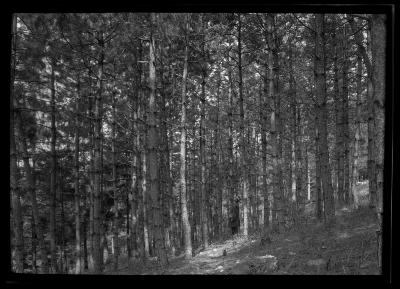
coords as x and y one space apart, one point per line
372 178
115 182
143 176
318 184
144 203
346 129
78 257
357 134
63 267
264 119
243 141
307 169
137 202
152 140
320 83
218 147
97 224
339 110
184 211
15 191
135 195
194 197
164 164
53 184
204 219
296 111
230 153
172 205
33 244
378 38
277 183
91 176
84 234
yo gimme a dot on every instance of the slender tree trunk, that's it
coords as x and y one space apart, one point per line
372 178
34 244
339 110
346 129
218 147
184 211
137 203
63 267
357 124
299 173
194 197
243 142
53 184
102 221
145 221
78 257
84 234
264 119
329 204
172 204
97 247
230 154
90 196
164 165
204 219
114 173
152 140
144 204
15 191
135 195
318 184
277 183
378 38
307 169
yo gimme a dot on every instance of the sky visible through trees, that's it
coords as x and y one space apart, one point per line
142 141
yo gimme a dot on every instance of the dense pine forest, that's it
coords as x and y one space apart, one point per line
197 143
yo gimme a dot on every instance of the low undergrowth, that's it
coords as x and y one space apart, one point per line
349 246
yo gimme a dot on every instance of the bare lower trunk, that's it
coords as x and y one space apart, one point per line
263 119
152 141
318 184
357 135
78 257
144 206
232 222
277 182
320 81
243 143
15 191
204 219
346 130
378 37
184 211
114 174
97 248
53 174
339 135
362 51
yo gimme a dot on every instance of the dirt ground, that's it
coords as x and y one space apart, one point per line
348 247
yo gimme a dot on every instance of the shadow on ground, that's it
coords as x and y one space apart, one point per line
348 247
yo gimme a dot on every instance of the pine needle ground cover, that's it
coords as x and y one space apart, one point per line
349 247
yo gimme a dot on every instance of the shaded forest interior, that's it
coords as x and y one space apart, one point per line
144 140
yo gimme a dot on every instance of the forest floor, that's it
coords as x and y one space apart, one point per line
348 247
